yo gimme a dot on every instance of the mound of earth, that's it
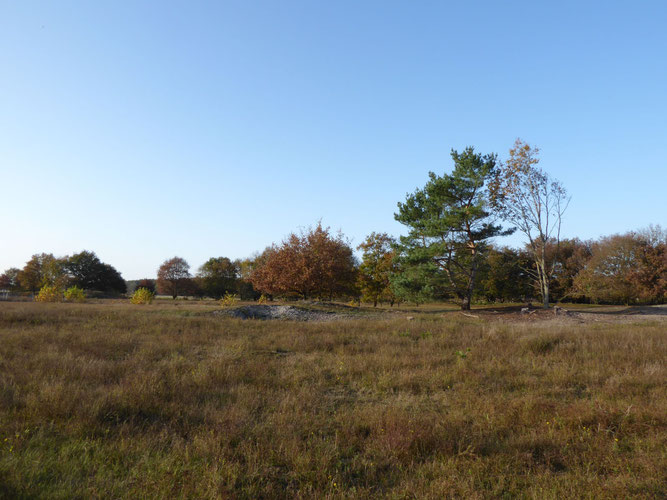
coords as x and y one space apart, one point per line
292 313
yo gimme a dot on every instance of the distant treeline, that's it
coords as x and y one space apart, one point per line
628 268
447 254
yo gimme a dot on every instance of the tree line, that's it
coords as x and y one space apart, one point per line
447 252
83 270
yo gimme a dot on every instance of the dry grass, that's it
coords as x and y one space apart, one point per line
112 400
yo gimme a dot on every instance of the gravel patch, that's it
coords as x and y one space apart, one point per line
291 313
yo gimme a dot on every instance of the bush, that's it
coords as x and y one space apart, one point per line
229 300
142 296
75 294
263 299
49 293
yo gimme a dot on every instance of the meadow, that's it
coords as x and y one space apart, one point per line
112 400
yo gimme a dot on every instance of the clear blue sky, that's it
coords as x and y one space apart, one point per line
144 130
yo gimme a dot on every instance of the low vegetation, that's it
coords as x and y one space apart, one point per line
106 399
142 296
75 294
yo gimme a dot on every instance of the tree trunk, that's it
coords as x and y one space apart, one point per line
467 297
542 270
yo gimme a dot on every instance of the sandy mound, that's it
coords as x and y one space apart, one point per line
292 313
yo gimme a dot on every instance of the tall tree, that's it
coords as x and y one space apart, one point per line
173 277
450 225
377 266
534 203
42 269
217 276
86 270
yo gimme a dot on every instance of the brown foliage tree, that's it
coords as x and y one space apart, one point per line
650 276
626 269
571 257
173 277
313 263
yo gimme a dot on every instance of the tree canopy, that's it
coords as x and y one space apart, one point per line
314 263
173 277
626 269
449 226
87 271
218 276
377 266
534 203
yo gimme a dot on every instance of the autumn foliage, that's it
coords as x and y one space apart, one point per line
142 296
626 269
534 203
376 268
173 277
450 253
311 264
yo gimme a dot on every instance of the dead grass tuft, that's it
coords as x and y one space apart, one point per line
105 399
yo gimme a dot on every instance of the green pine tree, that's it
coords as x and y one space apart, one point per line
449 226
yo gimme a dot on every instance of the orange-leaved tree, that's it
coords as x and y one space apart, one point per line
314 263
626 269
173 277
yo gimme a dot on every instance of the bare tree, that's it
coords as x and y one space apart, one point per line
534 203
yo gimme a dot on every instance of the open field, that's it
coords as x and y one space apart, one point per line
111 400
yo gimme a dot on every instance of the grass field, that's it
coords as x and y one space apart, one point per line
166 401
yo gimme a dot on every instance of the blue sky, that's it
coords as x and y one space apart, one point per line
144 130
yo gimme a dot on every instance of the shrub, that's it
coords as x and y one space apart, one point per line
75 294
49 293
229 300
263 299
142 296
